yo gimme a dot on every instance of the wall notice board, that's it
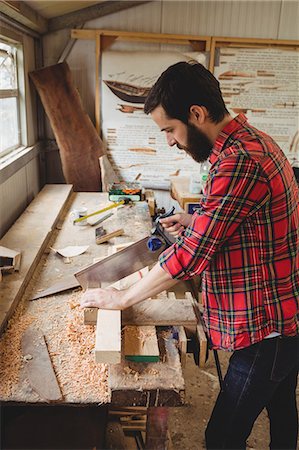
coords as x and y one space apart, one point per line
258 77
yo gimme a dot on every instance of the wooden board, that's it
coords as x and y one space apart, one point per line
153 312
31 234
108 337
38 365
79 144
140 344
180 191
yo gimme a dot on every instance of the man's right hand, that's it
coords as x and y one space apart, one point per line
176 224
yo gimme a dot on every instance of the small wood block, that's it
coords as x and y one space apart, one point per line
203 344
141 344
108 236
108 336
39 367
150 198
182 344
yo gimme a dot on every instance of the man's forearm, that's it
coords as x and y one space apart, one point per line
155 281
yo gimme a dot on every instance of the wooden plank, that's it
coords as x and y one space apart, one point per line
72 127
24 14
149 384
182 344
140 344
31 234
90 12
40 372
108 236
178 39
153 312
108 337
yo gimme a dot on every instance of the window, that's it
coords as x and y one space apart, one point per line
10 130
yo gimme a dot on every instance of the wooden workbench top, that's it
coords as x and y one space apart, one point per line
71 343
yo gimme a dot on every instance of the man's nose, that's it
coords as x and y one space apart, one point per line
171 141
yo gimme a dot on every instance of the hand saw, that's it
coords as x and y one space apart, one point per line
129 260
134 257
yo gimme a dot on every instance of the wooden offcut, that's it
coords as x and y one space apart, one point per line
140 344
40 372
79 144
108 336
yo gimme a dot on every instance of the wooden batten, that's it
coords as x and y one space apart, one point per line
108 337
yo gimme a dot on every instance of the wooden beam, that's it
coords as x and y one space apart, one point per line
31 234
108 337
25 15
91 12
165 38
153 312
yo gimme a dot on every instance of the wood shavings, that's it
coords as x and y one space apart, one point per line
10 351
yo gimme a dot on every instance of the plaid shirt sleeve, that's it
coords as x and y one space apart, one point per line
236 188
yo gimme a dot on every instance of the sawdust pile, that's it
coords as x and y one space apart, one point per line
10 352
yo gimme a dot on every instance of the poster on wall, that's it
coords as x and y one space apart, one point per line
263 83
136 148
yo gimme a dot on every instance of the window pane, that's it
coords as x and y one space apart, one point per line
8 78
9 136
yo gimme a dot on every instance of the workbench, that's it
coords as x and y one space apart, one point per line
60 320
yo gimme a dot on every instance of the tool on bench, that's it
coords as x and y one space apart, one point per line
129 260
131 190
124 201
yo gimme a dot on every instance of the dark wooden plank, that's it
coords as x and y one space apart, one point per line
72 127
40 372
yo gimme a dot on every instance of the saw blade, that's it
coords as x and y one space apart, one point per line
119 265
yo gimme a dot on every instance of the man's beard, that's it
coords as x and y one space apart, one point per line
199 146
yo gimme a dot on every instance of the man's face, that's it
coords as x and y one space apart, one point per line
185 137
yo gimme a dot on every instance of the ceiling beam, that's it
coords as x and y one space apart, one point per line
25 15
73 19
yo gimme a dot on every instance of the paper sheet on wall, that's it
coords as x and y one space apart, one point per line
135 145
264 84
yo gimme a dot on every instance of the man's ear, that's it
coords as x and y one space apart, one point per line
197 115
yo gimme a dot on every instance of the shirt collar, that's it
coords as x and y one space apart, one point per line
230 128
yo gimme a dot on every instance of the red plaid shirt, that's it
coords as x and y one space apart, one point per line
244 240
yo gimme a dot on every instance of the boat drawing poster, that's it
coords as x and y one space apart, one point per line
135 145
263 83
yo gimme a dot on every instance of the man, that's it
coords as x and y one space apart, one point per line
244 241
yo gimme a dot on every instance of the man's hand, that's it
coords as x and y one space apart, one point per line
176 224
109 298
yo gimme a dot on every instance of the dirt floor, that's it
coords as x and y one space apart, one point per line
187 424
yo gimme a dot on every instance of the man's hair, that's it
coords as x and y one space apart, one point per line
185 84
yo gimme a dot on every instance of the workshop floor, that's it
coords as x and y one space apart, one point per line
187 424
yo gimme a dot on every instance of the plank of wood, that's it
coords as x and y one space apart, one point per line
72 127
182 344
140 344
40 372
31 234
155 312
203 344
108 337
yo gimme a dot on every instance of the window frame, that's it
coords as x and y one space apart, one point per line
19 94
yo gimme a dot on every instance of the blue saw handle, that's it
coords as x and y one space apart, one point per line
154 244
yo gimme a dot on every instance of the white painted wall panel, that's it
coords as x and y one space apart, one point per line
222 18
289 20
13 199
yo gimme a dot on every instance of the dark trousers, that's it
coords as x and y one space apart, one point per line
263 375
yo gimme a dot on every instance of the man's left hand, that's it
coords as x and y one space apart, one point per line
109 298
